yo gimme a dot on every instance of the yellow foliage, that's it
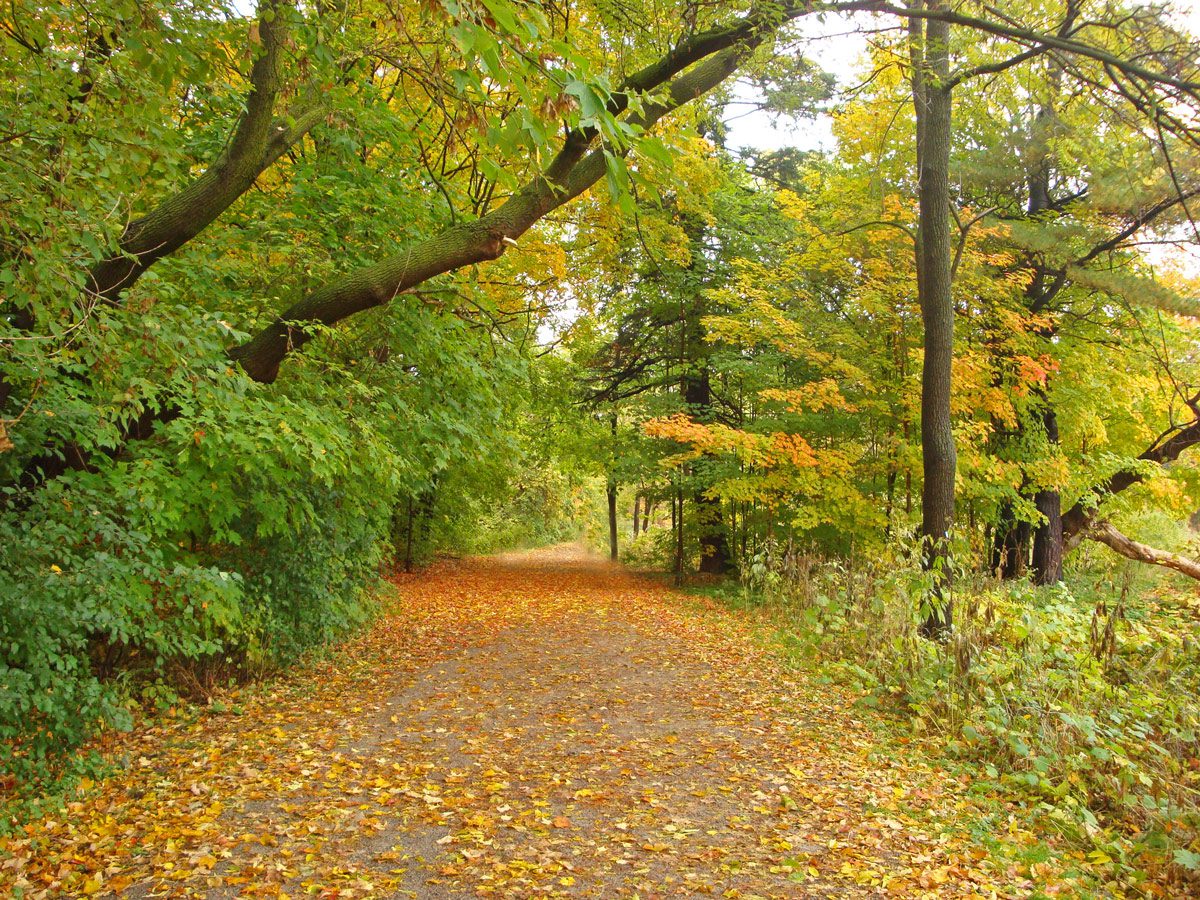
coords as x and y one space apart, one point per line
812 397
765 451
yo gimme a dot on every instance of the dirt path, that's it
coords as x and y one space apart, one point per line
537 724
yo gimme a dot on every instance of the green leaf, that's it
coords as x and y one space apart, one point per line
1187 859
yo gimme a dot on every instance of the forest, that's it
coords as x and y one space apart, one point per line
301 299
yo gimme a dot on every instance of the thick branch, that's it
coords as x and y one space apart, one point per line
1105 534
750 31
1065 30
761 22
572 172
257 142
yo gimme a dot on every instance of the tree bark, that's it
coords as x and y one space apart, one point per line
1106 534
408 539
1048 535
612 521
677 521
637 514
1010 545
612 492
714 546
932 101
710 525
891 500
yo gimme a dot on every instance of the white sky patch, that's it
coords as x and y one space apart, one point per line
836 45
839 46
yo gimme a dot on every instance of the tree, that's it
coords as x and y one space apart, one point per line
932 85
932 99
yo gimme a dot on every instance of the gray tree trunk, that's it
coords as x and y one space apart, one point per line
932 101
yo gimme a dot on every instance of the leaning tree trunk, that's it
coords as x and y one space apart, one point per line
692 66
932 101
1106 534
691 69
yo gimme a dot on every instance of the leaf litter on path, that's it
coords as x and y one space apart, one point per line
541 724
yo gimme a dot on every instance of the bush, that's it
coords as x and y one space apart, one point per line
242 535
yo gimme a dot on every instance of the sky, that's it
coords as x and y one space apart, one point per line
836 47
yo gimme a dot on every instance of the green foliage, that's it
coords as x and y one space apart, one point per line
526 506
244 531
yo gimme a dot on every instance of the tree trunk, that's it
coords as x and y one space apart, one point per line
714 546
932 100
710 525
612 491
637 514
408 539
1048 539
891 500
1048 536
612 521
732 536
1009 557
677 519
747 510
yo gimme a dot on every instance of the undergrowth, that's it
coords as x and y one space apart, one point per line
1079 702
